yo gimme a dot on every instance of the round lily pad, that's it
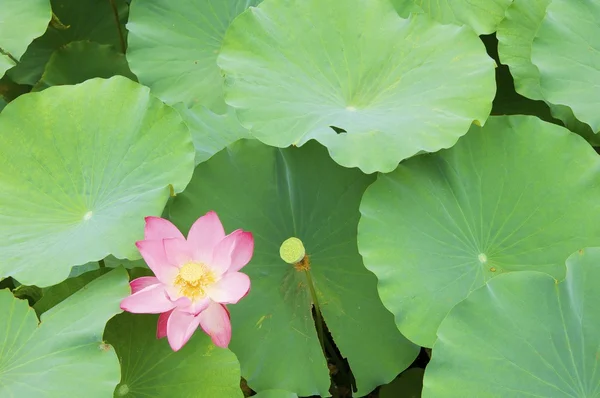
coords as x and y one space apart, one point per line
77 181
64 354
524 334
372 87
297 192
518 194
173 48
79 61
149 367
210 131
23 21
481 15
566 51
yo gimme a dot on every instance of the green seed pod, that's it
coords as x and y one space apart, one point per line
292 251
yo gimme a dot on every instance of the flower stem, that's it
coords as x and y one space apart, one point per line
101 263
116 14
319 316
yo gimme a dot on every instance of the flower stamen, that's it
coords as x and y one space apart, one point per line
193 280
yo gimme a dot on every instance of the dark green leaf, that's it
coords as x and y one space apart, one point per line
297 192
79 61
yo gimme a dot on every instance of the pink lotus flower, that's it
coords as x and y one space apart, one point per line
194 279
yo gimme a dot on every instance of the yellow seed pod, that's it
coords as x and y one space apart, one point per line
292 251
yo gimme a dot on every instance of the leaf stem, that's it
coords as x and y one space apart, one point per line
116 15
101 263
319 316
9 55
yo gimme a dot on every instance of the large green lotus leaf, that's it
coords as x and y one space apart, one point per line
10 90
407 7
91 20
5 64
31 293
565 114
566 51
53 295
280 193
112 261
296 68
20 23
210 131
481 15
149 368
173 48
523 335
82 269
518 194
408 385
77 181
508 101
515 38
109 262
79 61
64 354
